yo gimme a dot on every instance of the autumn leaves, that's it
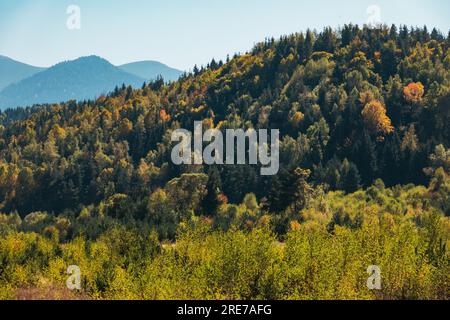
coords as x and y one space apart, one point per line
375 115
375 118
414 92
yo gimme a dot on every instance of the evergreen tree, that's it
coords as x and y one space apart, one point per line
214 188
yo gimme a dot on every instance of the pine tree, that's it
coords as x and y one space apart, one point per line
308 46
350 177
214 188
393 33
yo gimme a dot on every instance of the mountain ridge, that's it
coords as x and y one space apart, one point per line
151 69
12 71
84 78
79 79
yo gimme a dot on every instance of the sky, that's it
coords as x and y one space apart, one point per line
182 33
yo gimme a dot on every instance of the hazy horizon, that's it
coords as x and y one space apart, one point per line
86 56
181 34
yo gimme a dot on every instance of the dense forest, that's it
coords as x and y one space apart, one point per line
364 178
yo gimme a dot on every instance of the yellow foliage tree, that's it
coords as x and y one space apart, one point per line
375 118
297 118
126 126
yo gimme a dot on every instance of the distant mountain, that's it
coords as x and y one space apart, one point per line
150 70
12 71
80 79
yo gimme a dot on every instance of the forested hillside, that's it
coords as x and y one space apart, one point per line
364 117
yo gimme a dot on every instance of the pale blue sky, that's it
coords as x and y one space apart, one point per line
182 33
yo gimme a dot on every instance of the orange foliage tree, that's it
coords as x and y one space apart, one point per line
163 115
414 92
297 118
375 118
